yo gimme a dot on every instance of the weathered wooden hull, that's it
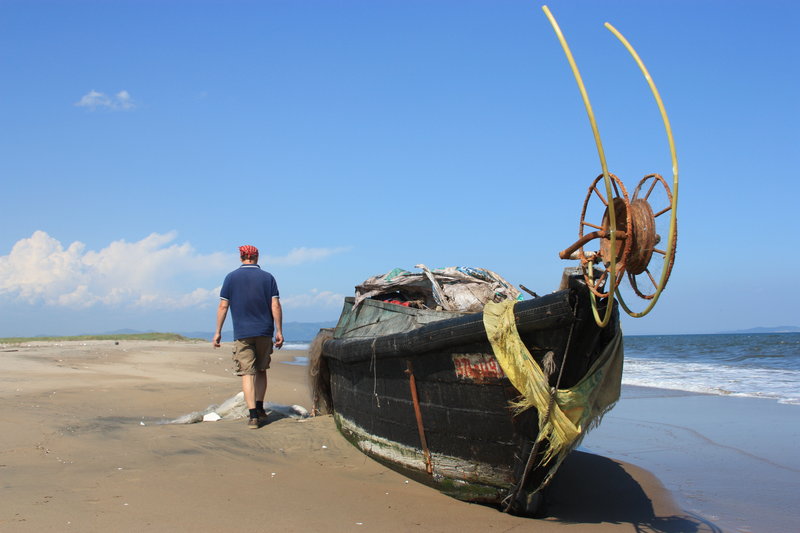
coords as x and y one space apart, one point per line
433 402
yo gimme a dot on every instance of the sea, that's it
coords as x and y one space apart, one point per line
757 365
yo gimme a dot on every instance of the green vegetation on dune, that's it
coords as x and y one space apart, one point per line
120 337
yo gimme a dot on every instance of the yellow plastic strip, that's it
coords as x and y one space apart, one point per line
611 211
674 216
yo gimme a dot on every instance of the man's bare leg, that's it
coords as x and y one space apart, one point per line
260 386
249 389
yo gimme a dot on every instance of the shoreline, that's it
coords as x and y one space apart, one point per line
731 459
81 453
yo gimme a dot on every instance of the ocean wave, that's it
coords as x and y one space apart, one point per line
743 358
296 346
781 385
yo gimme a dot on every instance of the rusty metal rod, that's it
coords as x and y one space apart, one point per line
665 210
595 226
526 289
602 198
566 253
412 382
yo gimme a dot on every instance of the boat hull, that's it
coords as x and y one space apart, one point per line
434 403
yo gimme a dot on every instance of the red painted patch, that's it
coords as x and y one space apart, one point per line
477 367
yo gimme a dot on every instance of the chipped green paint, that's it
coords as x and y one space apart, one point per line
411 462
473 492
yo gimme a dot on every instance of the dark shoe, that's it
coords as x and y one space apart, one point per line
252 423
262 416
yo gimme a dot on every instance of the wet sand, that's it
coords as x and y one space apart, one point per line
731 459
83 450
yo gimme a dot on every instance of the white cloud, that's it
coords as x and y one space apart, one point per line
121 101
313 299
302 255
153 273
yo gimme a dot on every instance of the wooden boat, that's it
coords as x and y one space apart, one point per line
421 391
485 405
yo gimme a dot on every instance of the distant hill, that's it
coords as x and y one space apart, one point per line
304 331
292 332
773 329
128 336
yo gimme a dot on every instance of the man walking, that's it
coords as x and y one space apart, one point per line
252 296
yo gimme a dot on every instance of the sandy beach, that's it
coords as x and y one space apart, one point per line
84 448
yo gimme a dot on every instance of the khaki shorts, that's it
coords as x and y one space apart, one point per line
252 354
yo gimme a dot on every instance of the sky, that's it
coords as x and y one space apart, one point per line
143 141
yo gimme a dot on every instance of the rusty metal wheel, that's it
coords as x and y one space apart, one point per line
596 218
652 200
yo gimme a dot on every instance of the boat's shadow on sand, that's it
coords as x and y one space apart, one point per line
590 489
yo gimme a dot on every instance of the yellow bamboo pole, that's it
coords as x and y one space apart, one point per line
674 215
607 179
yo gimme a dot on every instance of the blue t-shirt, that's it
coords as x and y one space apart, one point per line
249 291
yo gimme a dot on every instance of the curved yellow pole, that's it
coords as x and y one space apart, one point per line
674 216
609 194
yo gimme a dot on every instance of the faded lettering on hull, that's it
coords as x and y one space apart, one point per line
478 367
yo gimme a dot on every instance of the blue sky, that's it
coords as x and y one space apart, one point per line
144 141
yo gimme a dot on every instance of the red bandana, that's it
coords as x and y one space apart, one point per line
248 251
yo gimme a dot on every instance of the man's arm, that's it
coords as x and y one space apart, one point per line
222 312
277 317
